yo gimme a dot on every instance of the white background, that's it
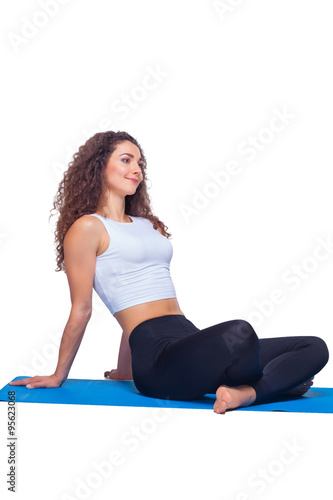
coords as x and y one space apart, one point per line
224 72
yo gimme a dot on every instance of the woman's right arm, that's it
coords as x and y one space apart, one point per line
81 244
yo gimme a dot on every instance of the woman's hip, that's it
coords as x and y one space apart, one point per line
149 338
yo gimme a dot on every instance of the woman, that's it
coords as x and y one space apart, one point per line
108 239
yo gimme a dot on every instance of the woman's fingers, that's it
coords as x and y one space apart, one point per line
38 384
23 381
110 374
48 381
115 375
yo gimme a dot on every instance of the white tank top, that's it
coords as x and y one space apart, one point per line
135 268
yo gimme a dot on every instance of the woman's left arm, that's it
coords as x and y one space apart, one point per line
124 368
124 357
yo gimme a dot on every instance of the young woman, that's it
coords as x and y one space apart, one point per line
108 239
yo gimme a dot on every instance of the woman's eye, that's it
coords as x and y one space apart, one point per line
127 159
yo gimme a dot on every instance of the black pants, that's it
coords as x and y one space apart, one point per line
173 359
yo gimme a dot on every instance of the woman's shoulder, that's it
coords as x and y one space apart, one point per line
85 226
87 221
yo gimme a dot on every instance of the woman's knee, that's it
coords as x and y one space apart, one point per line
320 349
241 336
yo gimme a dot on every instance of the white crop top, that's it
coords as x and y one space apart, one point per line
136 266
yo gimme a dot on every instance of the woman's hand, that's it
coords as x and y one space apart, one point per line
115 375
47 381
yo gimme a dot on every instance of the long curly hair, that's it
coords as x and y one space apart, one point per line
83 188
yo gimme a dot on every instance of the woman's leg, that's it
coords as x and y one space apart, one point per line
288 362
173 359
198 363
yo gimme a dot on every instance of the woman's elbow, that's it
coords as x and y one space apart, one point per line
81 312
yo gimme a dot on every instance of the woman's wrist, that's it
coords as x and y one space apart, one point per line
60 378
125 373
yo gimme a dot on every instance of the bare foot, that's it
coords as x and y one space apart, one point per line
228 398
300 389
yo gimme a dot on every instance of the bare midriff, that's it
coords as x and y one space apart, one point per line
129 318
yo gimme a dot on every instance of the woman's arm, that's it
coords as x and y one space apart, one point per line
124 358
124 368
70 342
80 247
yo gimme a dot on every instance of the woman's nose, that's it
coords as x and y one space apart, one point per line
137 170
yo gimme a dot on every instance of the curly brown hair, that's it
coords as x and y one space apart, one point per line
83 188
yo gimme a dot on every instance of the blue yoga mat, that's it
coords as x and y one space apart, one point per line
124 393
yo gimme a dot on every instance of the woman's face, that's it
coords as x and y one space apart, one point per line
123 171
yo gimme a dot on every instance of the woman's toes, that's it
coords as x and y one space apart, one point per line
223 397
300 389
223 394
220 407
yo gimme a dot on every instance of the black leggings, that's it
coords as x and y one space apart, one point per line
173 359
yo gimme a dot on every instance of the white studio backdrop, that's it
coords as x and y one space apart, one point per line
231 102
